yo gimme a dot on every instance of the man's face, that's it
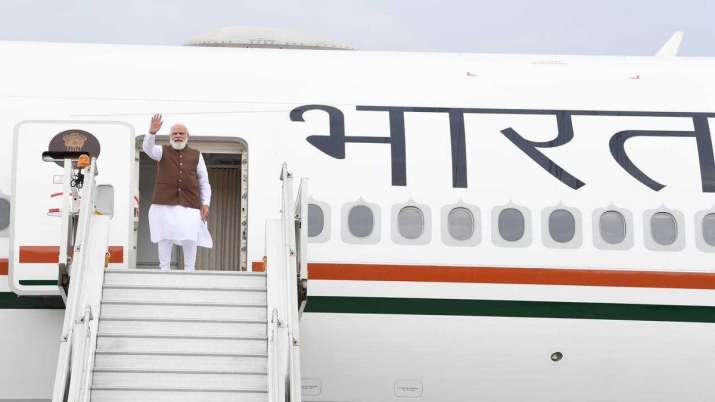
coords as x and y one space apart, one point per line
179 133
179 136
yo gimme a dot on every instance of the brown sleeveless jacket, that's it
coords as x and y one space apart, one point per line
176 181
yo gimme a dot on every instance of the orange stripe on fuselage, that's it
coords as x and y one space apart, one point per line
258 266
525 276
51 254
3 266
39 254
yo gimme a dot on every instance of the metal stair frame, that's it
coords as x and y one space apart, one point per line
79 331
285 259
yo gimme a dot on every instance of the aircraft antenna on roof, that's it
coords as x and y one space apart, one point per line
263 37
672 46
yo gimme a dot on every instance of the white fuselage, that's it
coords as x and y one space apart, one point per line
430 316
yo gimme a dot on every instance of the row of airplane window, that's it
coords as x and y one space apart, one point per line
613 227
461 226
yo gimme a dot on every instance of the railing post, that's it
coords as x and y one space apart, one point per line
66 216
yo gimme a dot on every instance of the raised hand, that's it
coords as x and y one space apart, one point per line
155 124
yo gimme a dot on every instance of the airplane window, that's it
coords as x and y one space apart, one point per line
612 227
360 221
4 213
663 228
511 224
460 223
410 222
709 229
562 226
316 220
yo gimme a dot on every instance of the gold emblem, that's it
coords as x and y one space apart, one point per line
74 141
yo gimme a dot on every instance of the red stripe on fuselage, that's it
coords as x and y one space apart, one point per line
51 254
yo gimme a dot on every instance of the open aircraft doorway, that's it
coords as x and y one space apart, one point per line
226 161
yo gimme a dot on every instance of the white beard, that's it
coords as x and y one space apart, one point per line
179 146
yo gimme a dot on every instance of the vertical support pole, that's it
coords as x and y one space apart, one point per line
65 212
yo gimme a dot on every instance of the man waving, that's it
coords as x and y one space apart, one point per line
182 194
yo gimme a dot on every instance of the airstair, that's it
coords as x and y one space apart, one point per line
181 336
148 335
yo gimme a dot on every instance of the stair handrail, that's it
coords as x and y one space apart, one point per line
79 332
68 328
283 271
297 228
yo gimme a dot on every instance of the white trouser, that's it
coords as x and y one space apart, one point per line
187 246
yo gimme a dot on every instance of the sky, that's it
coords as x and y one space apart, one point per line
603 27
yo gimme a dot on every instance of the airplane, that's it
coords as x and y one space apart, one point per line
479 226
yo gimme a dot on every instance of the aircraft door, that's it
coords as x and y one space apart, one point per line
37 189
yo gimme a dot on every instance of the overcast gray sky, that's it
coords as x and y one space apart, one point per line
613 27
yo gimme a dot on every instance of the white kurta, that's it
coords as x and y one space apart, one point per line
176 222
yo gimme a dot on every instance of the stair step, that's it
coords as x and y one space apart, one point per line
187 381
184 296
180 363
144 345
155 328
119 395
182 279
183 312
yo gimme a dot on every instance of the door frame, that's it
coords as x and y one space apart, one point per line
212 145
49 290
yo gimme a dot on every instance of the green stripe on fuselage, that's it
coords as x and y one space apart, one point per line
9 300
37 282
509 308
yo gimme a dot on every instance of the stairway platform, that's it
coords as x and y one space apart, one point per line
183 279
181 271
